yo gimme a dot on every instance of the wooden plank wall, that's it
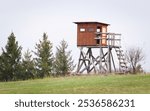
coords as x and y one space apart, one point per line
87 38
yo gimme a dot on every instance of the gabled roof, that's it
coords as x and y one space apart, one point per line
91 22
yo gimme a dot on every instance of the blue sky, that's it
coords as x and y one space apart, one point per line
28 19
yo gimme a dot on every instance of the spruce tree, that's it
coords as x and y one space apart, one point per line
63 60
28 66
10 60
44 59
2 74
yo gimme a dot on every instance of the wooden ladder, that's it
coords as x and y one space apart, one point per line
122 62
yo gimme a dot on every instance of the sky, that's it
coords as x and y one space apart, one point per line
29 19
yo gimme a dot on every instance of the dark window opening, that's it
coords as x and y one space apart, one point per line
97 41
90 29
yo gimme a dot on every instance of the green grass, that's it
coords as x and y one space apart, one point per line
96 84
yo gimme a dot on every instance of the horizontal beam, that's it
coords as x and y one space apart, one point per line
108 33
106 39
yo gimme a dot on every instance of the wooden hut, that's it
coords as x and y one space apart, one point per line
86 33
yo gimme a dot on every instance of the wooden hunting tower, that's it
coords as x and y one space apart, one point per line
94 36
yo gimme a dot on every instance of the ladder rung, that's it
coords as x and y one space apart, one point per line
120 55
122 62
119 50
122 65
121 58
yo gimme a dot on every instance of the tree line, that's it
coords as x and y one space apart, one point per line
17 66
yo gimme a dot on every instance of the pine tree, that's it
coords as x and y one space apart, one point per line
63 60
44 58
10 60
2 65
28 66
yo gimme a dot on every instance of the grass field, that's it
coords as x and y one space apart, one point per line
95 84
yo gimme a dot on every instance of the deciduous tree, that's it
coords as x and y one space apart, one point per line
134 57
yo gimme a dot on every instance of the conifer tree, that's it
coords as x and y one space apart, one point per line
63 60
10 60
2 74
28 66
44 59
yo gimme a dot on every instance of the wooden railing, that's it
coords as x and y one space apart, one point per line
111 39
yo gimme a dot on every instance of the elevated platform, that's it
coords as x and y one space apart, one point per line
112 40
104 60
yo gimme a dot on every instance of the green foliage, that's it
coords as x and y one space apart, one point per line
13 67
28 66
63 61
10 60
44 58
